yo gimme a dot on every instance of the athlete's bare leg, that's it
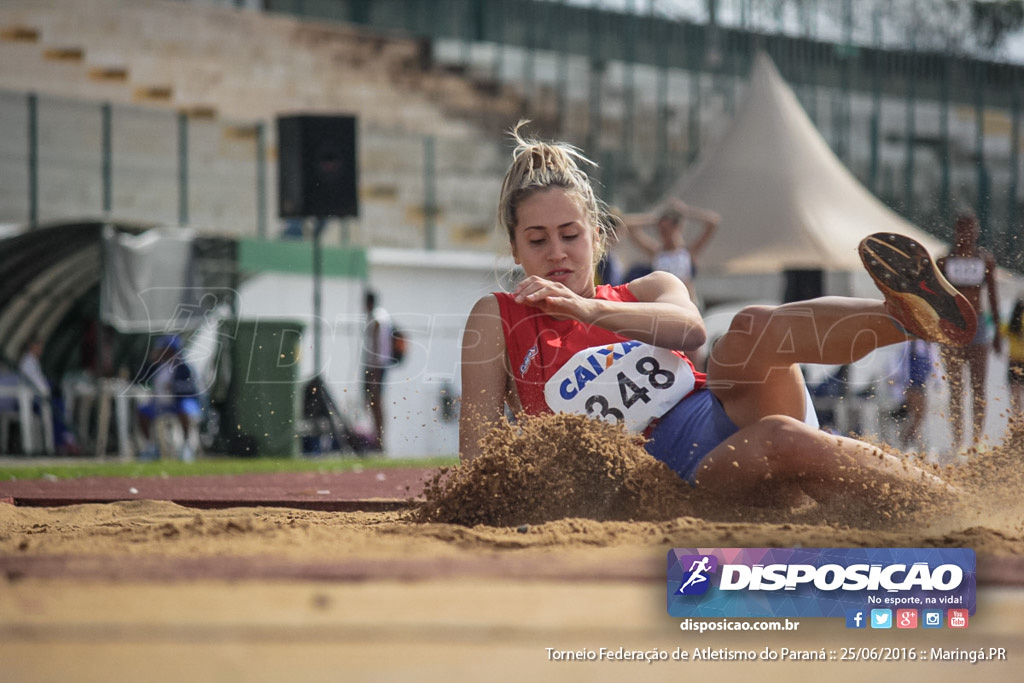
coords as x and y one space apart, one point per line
777 459
754 368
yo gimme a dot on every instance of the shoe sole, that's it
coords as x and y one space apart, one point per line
916 293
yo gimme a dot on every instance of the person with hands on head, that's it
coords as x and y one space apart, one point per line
746 429
670 251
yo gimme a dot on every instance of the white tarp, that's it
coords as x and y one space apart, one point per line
147 281
786 200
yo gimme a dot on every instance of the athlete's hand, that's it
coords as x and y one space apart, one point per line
552 298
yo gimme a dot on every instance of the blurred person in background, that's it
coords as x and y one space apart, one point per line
970 268
1013 332
378 356
172 392
919 364
31 368
669 251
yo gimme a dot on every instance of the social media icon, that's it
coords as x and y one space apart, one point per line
931 618
881 618
957 618
906 618
856 618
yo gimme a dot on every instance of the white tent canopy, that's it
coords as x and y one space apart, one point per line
786 200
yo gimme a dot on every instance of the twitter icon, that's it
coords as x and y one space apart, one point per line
881 618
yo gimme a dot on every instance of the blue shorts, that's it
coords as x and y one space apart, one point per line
689 431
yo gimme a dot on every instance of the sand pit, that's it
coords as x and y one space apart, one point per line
151 588
550 468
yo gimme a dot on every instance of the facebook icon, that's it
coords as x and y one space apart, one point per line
855 618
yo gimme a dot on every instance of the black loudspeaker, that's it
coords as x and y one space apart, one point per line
316 166
803 284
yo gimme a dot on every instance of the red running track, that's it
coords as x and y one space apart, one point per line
370 490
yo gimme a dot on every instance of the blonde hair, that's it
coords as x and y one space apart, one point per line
538 165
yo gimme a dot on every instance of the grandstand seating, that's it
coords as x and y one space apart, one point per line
227 70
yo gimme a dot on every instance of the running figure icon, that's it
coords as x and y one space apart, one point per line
697 573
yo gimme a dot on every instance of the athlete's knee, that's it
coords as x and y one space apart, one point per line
780 432
745 332
752 319
788 446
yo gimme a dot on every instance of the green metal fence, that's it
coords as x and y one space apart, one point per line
939 168
643 93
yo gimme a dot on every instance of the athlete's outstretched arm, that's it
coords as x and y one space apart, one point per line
485 377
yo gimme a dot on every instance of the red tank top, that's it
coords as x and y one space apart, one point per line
539 345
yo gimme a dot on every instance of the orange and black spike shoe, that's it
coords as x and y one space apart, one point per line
916 294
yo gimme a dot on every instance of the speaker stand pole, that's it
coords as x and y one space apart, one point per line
318 269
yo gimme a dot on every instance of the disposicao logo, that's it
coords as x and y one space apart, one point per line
696 580
822 582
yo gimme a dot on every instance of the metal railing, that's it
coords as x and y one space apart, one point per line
644 94
867 100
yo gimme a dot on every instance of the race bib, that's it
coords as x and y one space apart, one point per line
627 382
964 271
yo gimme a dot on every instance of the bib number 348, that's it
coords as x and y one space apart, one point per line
628 382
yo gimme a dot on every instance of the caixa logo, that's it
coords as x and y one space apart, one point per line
697 578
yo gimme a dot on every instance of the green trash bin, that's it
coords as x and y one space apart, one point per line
264 386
